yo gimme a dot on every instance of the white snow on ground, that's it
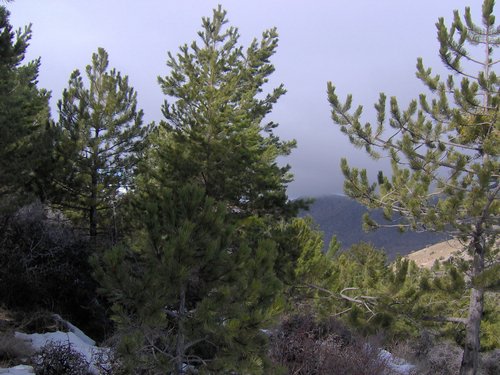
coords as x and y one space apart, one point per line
86 346
77 331
17 370
396 364
78 340
79 343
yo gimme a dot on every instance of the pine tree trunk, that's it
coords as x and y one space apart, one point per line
179 350
93 190
93 208
470 359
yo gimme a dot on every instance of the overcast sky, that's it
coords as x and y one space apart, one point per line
363 47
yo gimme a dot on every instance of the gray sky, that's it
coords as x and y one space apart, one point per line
363 47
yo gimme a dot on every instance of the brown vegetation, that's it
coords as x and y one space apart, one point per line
304 346
441 252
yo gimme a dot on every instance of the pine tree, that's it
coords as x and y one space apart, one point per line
101 137
444 153
215 133
24 118
196 282
189 292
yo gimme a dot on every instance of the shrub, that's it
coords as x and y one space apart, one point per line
106 362
12 348
304 346
36 321
44 265
60 359
433 355
40 260
491 362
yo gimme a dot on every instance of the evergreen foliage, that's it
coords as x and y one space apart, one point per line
361 288
199 279
214 251
300 260
189 292
100 139
24 119
215 133
444 153
299 245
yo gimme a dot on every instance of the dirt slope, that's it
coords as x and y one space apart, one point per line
440 251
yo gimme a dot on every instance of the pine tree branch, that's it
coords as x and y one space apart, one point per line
386 144
445 319
72 206
197 341
365 301
342 312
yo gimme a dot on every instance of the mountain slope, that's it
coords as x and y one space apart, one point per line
341 216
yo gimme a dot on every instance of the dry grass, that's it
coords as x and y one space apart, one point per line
13 349
5 315
441 252
304 346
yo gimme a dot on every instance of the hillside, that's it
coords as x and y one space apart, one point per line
441 251
341 216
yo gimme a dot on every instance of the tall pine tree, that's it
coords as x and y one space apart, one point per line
24 118
215 132
208 194
445 155
101 136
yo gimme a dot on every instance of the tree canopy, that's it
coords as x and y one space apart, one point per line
196 282
24 118
213 252
215 131
444 153
100 139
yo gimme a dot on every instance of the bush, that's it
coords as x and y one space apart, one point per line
60 359
39 259
106 362
490 362
12 348
304 346
44 265
36 321
431 354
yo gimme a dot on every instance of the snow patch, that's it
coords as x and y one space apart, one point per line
83 344
396 364
17 370
77 331
78 343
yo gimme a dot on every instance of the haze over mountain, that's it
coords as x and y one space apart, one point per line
341 216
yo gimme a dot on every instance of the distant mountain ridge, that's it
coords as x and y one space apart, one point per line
341 216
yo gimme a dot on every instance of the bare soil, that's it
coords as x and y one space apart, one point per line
441 251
